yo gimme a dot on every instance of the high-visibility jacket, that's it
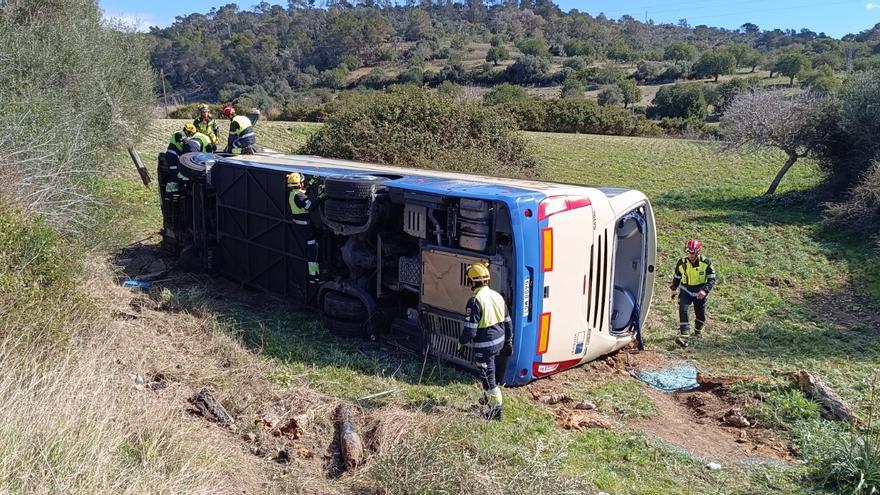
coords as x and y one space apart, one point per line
487 323
208 127
299 206
175 145
692 278
241 134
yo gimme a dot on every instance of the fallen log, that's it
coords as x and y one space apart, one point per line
350 444
210 408
833 407
710 381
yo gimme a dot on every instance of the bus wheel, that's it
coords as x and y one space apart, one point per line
351 211
352 186
343 307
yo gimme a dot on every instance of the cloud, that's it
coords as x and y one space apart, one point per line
133 20
872 5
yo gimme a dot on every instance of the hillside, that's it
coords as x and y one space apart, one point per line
791 296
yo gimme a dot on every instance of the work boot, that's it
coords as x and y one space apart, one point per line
682 341
698 334
484 401
495 413
684 332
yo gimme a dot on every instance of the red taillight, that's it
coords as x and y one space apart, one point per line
544 369
547 250
558 204
544 333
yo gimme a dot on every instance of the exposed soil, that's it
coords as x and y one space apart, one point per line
704 422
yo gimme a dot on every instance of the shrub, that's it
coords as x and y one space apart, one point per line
860 213
579 48
577 115
334 78
629 91
822 81
610 95
350 62
679 100
851 464
528 69
851 156
678 50
577 64
386 54
413 127
505 93
534 46
497 54
572 87
412 75
72 88
608 74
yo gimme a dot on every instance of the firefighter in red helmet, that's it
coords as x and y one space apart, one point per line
694 278
241 133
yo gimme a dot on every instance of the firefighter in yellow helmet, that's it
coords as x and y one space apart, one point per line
488 326
300 204
206 124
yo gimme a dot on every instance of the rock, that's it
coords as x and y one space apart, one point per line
553 398
585 405
283 456
735 418
137 378
742 438
210 408
258 450
713 466
250 437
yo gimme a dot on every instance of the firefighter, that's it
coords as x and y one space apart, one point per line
694 278
206 124
300 204
241 133
197 142
172 155
488 325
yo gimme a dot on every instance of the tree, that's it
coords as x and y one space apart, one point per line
418 26
799 125
749 28
528 70
610 95
715 63
630 92
497 54
679 50
578 48
791 65
680 100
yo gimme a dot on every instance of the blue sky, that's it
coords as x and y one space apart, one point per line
834 17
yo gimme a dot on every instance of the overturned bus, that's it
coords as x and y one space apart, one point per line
387 248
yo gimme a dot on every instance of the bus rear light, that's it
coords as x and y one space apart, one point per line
559 204
544 333
547 250
544 369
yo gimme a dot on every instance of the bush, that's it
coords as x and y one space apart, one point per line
71 89
852 464
608 74
412 75
680 100
577 64
610 95
334 78
823 81
851 156
860 213
534 47
579 48
505 93
572 87
413 127
714 63
579 116
528 69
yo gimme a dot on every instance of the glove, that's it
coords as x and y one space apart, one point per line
701 295
672 295
507 350
459 346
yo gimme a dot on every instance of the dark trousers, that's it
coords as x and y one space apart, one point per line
486 362
685 300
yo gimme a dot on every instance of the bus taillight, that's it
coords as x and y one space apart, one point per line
558 204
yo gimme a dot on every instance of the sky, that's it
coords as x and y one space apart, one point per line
833 17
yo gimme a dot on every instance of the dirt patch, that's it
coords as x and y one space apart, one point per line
703 423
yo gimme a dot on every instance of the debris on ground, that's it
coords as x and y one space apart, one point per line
833 406
553 399
713 466
350 444
585 405
578 419
210 408
290 429
671 379
735 418
709 381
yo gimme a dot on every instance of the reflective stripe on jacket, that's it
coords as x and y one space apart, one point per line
694 277
488 323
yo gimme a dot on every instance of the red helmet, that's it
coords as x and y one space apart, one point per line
228 111
693 246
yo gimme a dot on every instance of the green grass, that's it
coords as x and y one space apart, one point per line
781 276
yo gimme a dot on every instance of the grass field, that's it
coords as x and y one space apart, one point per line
790 295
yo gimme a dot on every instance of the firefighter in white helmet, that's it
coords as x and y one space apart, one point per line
489 327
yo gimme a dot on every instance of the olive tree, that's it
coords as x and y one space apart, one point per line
800 125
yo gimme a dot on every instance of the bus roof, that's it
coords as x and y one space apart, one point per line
418 179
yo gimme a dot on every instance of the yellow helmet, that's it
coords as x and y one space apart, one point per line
294 178
189 129
478 272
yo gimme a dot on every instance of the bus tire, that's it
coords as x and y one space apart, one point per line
189 167
353 212
344 328
343 307
352 186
